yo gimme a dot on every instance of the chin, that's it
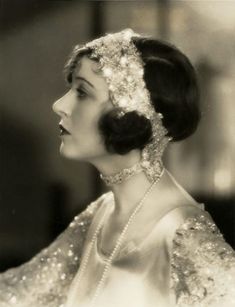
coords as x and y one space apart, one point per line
67 152
79 155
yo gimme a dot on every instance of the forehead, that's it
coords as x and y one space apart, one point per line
90 70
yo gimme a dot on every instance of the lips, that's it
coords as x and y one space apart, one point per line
63 131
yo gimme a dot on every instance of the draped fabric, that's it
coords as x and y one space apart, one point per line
183 261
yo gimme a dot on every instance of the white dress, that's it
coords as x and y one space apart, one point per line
183 261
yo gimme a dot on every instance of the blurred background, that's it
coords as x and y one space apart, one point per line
40 192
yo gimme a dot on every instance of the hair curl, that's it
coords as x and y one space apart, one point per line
124 133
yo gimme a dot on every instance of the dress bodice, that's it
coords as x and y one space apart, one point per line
139 274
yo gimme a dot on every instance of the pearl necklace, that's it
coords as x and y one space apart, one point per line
117 245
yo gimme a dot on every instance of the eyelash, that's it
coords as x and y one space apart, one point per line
81 93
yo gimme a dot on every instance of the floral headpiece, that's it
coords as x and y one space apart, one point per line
122 67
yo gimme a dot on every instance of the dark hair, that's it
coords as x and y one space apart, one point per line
171 81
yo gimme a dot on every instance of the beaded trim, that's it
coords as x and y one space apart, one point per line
123 175
122 68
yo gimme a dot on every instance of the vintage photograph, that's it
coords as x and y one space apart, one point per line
117 148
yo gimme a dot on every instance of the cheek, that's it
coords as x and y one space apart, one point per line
85 125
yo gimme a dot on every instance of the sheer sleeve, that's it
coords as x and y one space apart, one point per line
203 265
44 280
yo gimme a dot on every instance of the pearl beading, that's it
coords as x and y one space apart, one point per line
123 175
117 245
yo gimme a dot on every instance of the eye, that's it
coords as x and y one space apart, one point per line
81 93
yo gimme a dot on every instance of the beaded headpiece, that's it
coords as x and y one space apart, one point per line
123 70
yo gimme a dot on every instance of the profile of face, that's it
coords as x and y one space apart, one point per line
80 110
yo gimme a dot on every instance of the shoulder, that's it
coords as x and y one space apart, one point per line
178 217
202 263
45 279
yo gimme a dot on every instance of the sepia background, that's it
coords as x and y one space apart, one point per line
40 192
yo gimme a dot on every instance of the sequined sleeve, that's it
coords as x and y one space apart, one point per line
44 280
203 265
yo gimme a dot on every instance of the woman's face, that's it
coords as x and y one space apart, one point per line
80 110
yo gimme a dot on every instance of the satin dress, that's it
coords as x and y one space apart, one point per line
139 274
182 261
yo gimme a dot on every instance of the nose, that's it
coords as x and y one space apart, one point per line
61 106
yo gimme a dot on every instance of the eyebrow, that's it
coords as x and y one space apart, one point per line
83 79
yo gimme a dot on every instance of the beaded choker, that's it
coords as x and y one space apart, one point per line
123 70
127 173
123 175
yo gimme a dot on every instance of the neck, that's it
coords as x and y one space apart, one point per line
129 192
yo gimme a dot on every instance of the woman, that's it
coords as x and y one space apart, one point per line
147 242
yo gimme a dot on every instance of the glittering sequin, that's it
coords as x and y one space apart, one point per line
44 281
203 265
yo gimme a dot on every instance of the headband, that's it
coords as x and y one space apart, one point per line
123 70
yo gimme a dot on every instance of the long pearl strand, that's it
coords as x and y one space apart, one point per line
117 245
